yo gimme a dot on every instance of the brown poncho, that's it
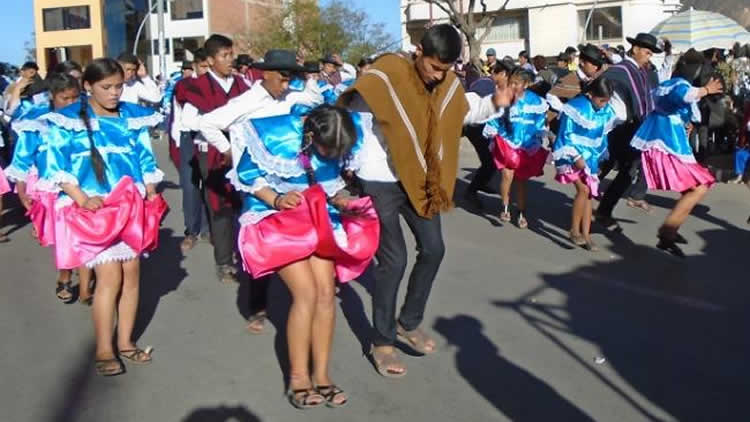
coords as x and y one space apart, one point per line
422 128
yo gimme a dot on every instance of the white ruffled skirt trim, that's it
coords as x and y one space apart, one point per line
119 252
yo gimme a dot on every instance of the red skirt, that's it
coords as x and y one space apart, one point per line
524 165
125 217
292 235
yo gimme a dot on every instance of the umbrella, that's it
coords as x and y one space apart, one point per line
701 30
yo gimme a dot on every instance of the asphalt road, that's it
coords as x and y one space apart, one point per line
529 328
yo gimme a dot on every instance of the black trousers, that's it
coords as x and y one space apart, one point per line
222 222
628 162
390 202
193 207
481 145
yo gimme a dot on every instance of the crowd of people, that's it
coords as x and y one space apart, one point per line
304 170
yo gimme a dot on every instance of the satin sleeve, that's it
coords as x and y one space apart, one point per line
59 167
27 146
146 159
564 149
250 178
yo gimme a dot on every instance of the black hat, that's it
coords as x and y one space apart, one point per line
646 41
244 60
690 66
330 59
187 65
311 67
593 54
279 60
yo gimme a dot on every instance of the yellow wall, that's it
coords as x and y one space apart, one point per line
93 36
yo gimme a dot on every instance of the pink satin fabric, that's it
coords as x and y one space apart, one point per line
667 172
572 177
81 234
4 185
525 166
292 235
42 216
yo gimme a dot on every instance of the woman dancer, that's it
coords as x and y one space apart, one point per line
100 157
517 150
29 162
581 143
297 222
668 160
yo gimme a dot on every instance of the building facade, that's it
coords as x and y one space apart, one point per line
546 27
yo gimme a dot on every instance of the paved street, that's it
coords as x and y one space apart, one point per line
520 317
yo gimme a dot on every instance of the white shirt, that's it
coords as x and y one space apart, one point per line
377 165
224 83
144 89
253 103
348 72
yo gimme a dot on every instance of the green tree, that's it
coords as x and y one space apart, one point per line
30 48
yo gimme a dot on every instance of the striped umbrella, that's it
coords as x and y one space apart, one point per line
701 30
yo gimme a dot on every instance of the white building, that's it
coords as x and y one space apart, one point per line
186 28
546 27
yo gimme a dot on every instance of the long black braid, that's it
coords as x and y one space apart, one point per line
97 162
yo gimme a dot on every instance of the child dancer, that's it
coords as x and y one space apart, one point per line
296 222
517 150
29 164
581 143
100 157
668 160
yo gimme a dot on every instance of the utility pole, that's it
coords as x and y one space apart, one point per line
162 41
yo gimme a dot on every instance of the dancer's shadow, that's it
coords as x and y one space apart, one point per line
354 309
221 413
488 203
515 392
13 215
161 274
279 303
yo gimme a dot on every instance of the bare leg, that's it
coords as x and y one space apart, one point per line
505 184
110 280
586 221
684 206
521 198
324 318
579 208
84 283
3 236
301 282
128 306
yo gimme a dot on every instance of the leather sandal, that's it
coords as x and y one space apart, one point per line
107 367
416 338
385 361
137 356
329 393
64 291
304 398
257 320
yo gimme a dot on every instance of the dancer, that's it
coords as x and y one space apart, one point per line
517 149
668 160
581 143
29 164
297 221
4 188
100 160
410 170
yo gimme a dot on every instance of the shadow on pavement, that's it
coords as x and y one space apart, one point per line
514 391
221 413
674 330
161 274
73 387
13 215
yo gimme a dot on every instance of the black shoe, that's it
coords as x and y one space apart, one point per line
472 197
488 190
605 220
678 238
669 245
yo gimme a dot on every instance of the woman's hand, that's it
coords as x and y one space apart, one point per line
93 203
151 192
288 201
341 201
713 86
580 164
689 128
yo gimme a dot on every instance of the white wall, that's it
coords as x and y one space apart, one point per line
175 29
552 29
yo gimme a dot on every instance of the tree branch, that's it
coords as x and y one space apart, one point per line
486 23
451 11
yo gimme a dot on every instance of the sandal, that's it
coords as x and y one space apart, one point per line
329 393
86 301
384 363
301 398
522 223
577 239
4 238
106 367
505 216
639 205
64 291
256 324
138 356
416 338
591 246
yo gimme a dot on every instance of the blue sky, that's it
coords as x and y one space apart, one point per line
18 24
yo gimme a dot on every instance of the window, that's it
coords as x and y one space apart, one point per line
156 46
186 9
605 24
182 45
64 18
505 28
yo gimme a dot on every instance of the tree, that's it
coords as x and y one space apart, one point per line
474 26
318 30
30 47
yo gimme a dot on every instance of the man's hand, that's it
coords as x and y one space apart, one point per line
503 97
141 72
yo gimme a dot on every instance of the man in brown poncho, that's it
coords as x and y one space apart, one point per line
419 108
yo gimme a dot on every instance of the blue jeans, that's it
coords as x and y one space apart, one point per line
741 157
193 208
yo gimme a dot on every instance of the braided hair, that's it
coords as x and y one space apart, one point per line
332 129
96 71
59 82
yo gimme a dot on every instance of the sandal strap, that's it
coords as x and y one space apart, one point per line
302 395
134 354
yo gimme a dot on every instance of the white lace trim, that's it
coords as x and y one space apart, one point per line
65 200
554 102
586 141
52 184
521 120
118 252
29 125
258 184
566 152
107 149
331 187
135 123
540 108
14 174
659 144
253 217
269 163
567 168
154 177
578 118
489 131
70 123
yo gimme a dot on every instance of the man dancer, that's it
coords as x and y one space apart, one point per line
268 97
634 80
138 85
419 108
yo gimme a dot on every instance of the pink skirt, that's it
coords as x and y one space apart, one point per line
293 235
524 165
42 216
666 172
124 218
4 185
573 176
